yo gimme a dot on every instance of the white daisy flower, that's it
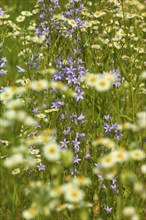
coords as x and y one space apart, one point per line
81 180
72 23
129 211
135 217
143 75
30 213
4 16
137 154
51 151
141 119
35 11
34 151
16 171
138 187
143 168
10 114
117 45
56 192
13 160
13 104
39 85
107 142
7 94
20 18
120 155
102 84
26 13
73 194
108 161
98 14
111 77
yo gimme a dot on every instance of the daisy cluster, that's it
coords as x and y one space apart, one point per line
73 113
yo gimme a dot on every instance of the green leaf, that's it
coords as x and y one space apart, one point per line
127 117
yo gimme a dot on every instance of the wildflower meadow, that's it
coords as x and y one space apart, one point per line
73 109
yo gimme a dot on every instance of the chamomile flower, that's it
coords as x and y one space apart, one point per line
141 116
120 155
10 114
21 115
102 84
30 213
7 94
20 18
35 11
26 13
138 187
13 104
4 16
111 77
125 57
135 217
58 85
16 171
34 151
86 13
129 126
37 160
39 85
32 27
117 45
111 173
98 14
13 160
87 24
143 75
107 142
81 180
29 121
91 79
51 151
56 192
74 195
61 207
38 40
4 123
72 23
129 211
143 168
108 161
137 154
121 32
41 115
129 15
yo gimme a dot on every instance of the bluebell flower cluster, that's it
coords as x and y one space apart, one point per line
119 79
1 11
71 71
72 137
72 12
111 128
3 62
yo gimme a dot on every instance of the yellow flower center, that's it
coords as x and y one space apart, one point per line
32 211
39 85
51 150
102 83
74 194
108 160
119 155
